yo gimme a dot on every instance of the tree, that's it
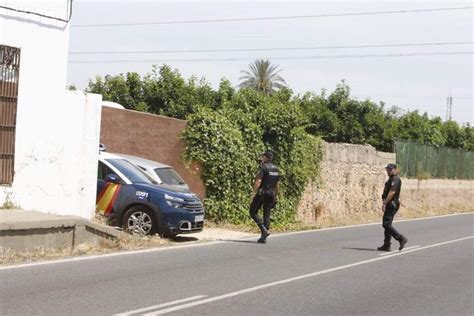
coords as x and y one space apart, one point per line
453 134
263 77
468 135
126 90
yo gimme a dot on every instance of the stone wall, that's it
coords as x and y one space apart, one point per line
434 194
352 179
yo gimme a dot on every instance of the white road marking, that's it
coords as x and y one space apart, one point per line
368 224
133 252
394 252
301 277
145 309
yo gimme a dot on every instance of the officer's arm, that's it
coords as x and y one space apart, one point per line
393 189
389 197
258 180
256 185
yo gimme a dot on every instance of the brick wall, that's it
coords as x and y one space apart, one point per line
149 136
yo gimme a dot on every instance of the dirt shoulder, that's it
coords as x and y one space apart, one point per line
211 232
124 242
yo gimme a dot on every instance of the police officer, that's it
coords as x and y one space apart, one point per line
265 191
390 206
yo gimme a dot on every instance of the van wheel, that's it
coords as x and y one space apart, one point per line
140 220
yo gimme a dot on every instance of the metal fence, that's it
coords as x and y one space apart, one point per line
424 161
9 73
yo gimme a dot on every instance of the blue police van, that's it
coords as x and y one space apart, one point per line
131 199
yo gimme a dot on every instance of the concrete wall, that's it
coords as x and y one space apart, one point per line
433 194
44 51
352 180
56 157
57 133
149 136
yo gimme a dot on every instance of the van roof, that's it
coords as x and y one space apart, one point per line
107 155
143 162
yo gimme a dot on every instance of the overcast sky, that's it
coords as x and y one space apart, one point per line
415 82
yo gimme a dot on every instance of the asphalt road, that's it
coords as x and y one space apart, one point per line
326 272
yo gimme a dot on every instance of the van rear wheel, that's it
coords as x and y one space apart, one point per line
140 220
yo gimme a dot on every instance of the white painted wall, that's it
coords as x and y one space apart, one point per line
57 132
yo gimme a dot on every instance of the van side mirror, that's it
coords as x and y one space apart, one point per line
112 178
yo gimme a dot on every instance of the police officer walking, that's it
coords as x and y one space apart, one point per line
391 204
265 191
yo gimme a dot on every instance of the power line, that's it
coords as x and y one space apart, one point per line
273 58
69 9
274 18
266 49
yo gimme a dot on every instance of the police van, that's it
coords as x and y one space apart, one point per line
161 173
131 199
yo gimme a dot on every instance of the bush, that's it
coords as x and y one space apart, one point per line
228 143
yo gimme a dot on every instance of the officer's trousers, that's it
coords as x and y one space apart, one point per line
267 200
390 210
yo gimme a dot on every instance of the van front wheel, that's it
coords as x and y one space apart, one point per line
140 220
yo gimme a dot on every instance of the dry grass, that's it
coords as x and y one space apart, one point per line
375 217
8 256
409 214
123 243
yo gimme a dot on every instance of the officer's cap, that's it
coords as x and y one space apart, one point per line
268 154
391 166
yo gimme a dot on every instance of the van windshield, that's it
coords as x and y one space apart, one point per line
169 176
129 170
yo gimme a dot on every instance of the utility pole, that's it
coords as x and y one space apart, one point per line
449 107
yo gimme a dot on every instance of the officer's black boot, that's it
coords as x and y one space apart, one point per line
403 241
265 234
384 247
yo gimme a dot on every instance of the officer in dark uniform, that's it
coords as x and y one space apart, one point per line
265 191
390 206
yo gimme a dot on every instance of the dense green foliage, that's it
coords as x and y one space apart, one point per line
228 143
336 117
228 129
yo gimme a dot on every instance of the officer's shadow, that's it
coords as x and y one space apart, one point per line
360 249
240 240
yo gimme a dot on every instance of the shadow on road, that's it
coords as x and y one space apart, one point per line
237 240
184 239
360 249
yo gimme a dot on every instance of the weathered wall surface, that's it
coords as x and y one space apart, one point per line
352 179
57 132
56 156
456 195
149 136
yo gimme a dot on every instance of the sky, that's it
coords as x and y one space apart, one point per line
420 82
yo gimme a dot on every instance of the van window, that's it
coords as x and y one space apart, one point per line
103 171
130 171
169 176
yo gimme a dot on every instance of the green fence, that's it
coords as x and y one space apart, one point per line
425 161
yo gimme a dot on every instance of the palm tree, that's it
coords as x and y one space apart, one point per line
262 76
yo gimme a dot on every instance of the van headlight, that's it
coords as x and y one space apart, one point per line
174 201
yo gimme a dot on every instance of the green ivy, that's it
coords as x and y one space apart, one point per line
228 143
